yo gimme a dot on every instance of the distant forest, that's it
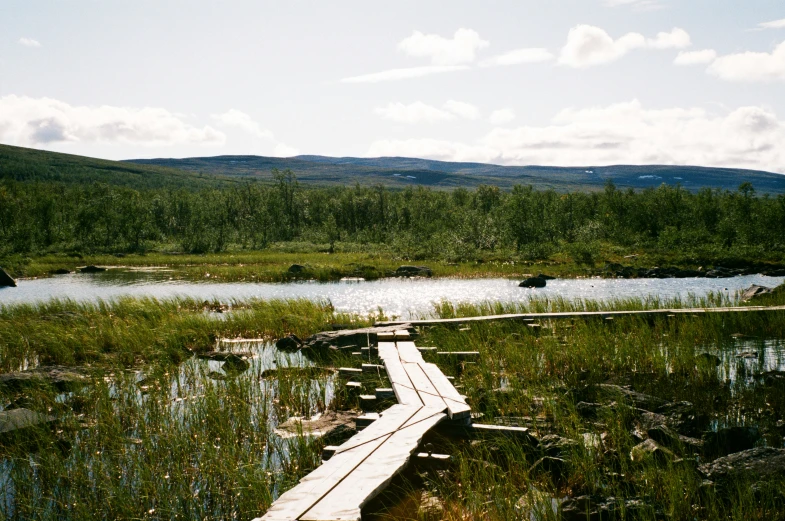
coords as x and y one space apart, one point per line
417 222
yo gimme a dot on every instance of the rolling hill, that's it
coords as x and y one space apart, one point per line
24 164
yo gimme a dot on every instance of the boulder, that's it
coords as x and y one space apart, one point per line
351 337
755 291
296 268
92 269
60 271
234 365
18 419
289 343
555 446
640 400
532 282
761 463
413 271
5 280
651 449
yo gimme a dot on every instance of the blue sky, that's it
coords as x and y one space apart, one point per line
566 82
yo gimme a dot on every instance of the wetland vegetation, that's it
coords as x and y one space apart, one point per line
152 432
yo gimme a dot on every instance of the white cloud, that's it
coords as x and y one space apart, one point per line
676 39
26 121
517 56
463 110
461 48
775 24
751 66
623 133
588 45
419 112
501 116
29 42
241 120
404 74
695 57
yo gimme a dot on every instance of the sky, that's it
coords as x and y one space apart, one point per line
563 82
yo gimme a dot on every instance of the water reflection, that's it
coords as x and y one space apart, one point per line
405 298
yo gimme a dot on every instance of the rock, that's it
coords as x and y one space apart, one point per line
351 337
317 425
60 271
18 419
589 410
431 506
223 356
289 343
92 269
773 378
593 508
62 378
234 365
413 271
729 440
761 463
755 291
296 268
663 435
555 446
555 467
532 282
545 277
651 449
640 400
5 280
720 273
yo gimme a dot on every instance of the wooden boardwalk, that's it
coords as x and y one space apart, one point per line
361 467
583 314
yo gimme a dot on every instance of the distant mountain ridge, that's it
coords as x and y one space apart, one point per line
403 171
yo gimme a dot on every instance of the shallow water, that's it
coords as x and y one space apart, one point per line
405 298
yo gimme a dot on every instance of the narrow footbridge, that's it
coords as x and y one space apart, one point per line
360 468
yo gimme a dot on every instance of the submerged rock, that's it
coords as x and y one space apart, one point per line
6 281
533 282
63 378
18 419
755 291
60 271
323 424
289 343
351 337
92 269
223 356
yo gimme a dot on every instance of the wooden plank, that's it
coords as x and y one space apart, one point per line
408 352
583 314
401 384
428 394
345 501
457 407
295 502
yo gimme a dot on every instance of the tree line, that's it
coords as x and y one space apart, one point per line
39 217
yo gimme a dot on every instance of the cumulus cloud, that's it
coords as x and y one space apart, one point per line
501 116
26 121
29 42
695 57
419 112
588 45
676 39
403 74
241 120
774 24
623 133
751 66
461 48
518 56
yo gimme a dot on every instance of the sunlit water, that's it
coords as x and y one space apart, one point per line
405 298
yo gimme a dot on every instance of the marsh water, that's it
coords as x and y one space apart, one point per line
400 297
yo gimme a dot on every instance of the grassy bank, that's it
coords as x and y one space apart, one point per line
352 260
159 434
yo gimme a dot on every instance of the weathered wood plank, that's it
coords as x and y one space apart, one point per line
401 384
428 394
582 314
457 408
345 501
408 352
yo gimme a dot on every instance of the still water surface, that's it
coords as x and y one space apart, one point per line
405 298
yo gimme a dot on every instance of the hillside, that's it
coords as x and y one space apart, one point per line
401 171
25 164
